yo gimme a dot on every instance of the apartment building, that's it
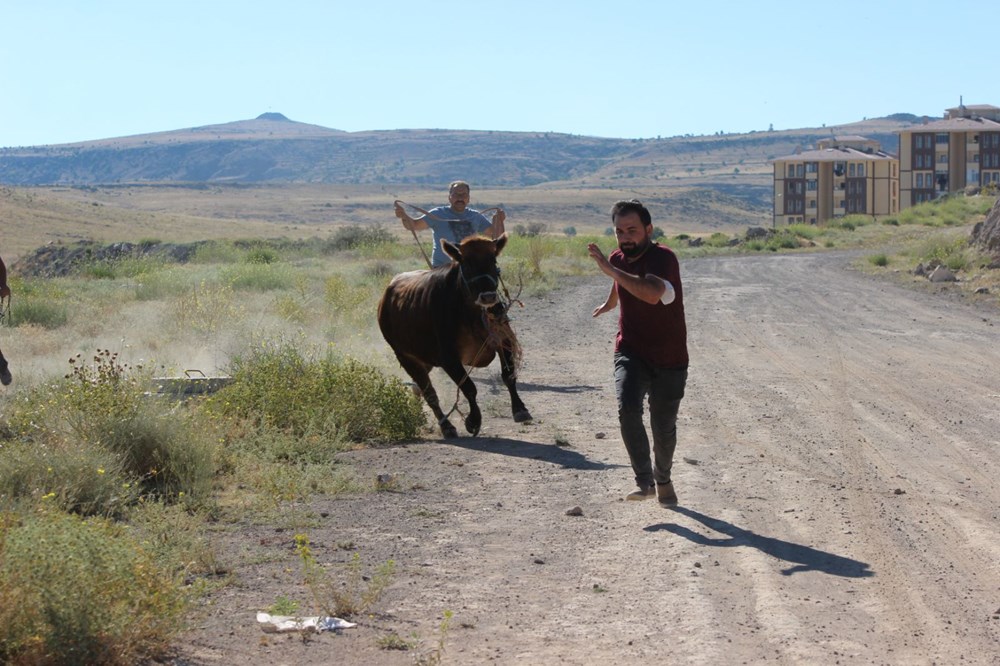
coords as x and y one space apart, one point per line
843 175
948 155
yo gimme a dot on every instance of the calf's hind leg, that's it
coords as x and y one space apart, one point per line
422 378
509 374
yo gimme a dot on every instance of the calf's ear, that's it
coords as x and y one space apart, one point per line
451 249
500 242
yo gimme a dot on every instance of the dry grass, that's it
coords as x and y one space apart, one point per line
45 215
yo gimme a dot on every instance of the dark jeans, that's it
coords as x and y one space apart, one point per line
636 379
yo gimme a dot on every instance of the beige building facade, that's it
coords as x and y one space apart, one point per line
948 155
848 175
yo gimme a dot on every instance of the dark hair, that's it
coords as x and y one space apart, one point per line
632 206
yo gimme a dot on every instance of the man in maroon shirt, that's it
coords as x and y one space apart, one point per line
651 357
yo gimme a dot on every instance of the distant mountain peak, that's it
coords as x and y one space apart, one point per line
272 116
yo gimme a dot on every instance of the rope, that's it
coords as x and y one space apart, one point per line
416 240
4 309
501 335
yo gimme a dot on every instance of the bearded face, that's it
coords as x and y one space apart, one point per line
632 249
633 236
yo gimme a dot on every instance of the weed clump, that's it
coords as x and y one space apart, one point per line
351 595
94 443
80 591
355 236
275 386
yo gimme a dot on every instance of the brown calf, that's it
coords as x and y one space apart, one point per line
448 317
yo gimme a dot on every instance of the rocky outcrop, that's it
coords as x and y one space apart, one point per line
57 260
986 234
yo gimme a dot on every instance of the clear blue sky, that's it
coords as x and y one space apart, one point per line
81 70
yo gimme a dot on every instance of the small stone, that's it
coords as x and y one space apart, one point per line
539 560
575 511
599 435
898 491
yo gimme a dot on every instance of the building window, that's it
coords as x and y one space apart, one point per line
812 203
861 170
812 167
942 137
800 170
942 158
811 185
850 170
920 181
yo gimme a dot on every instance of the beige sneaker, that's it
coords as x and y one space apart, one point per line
641 494
665 493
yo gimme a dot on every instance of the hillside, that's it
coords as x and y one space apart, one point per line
274 149
271 176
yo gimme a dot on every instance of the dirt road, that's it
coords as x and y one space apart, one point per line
838 469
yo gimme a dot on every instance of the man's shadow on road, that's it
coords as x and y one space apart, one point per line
806 558
550 453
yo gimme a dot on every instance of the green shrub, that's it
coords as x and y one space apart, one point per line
216 252
356 235
260 255
158 285
948 250
80 591
718 239
809 231
175 537
276 386
206 308
101 442
532 229
342 296
879 259
40 311
261 276
947 211
59 473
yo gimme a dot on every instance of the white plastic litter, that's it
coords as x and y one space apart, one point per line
272 624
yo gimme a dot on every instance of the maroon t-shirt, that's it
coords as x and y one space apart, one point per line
655 333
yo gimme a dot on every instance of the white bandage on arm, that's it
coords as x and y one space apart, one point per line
668 292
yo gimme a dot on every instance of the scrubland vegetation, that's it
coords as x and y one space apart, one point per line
108 489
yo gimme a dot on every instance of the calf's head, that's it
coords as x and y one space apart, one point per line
477 265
